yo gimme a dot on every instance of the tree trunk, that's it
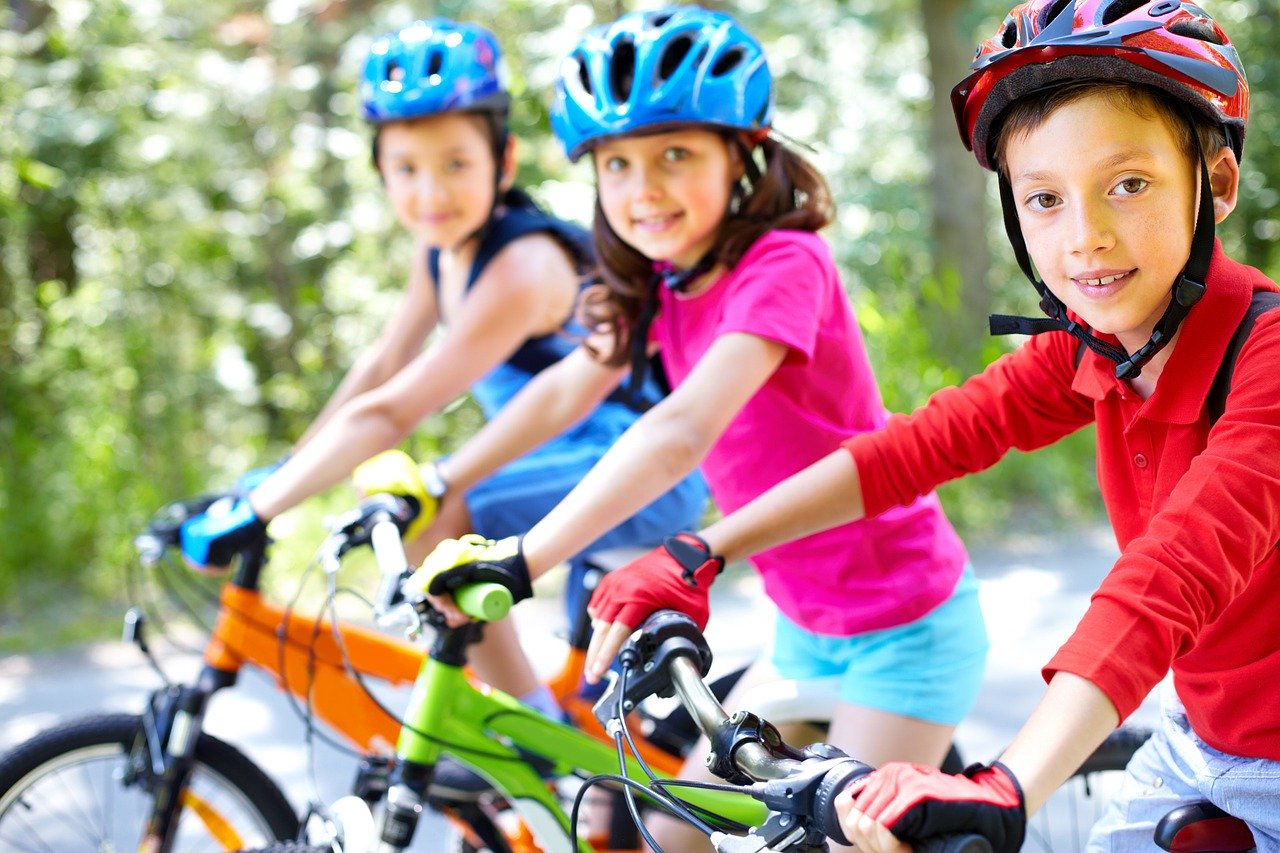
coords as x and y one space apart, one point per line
958 309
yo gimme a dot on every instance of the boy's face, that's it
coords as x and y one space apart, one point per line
439 175
1107 201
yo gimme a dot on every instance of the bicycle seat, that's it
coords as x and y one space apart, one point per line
1203 828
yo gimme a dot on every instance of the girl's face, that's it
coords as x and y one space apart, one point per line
1108 220
665 194
439 174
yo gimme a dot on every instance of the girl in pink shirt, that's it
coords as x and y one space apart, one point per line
705 232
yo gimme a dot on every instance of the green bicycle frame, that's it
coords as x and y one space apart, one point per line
446 714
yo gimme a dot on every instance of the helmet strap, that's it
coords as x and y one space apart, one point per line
1187 290
665 274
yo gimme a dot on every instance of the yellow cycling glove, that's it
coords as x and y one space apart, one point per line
394 472
470 559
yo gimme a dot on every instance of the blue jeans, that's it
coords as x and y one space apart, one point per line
1175 767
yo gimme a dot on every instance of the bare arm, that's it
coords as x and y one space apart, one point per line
826 494
658 450
506 306
1071 720
554 400
400 341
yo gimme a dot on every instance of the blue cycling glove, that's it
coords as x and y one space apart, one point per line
225 529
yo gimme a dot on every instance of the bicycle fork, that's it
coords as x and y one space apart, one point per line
164 754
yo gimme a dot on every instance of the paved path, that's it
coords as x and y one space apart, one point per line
1034 588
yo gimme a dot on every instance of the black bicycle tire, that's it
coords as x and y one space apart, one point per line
121 729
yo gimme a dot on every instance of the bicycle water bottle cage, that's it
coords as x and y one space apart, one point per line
646 659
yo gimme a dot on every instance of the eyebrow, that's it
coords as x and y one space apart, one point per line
1117 159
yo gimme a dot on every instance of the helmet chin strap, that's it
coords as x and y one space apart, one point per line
667 275
1187 290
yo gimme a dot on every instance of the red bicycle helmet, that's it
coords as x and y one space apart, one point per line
1171 45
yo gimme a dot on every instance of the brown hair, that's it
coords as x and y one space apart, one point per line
789 193
1194 132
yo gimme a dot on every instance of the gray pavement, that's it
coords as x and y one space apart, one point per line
1033 590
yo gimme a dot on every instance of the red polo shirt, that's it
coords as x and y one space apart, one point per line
1196 511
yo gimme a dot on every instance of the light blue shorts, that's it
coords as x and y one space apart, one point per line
929 669
1175 767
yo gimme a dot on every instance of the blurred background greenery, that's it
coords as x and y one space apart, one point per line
194 245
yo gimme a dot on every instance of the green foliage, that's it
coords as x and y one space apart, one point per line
193 245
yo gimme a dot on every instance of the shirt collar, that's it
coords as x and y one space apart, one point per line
1197 352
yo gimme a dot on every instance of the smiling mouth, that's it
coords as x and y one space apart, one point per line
1102 281
655 223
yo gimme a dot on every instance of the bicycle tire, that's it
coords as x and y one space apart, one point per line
1063 824
63 790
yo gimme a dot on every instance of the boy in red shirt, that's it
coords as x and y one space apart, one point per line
1115 127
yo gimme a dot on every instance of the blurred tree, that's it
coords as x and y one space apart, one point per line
193 243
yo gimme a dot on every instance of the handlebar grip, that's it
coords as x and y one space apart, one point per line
955 844
487 602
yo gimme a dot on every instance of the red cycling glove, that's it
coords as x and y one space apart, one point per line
677 576
916 803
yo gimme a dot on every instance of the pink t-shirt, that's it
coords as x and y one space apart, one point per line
871 574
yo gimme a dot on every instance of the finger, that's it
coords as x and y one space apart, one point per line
453 617
871 837
614 638
590 667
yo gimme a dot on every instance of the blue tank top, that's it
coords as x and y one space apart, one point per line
521 216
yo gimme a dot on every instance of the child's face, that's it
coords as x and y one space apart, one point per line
666 194
439 174
1107 201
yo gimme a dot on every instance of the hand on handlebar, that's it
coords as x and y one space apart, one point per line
394 472
913 802
210 539
468 560
676 576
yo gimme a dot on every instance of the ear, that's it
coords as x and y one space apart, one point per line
1224 177
508 164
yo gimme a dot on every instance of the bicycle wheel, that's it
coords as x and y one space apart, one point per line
64 790
1063 824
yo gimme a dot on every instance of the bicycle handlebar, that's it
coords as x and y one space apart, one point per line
798 786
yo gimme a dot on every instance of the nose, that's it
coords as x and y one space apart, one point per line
1092 230
645 185
428 186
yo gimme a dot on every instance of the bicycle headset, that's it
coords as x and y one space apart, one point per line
1168 45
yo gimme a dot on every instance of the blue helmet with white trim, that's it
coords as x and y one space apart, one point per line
432 66
660 69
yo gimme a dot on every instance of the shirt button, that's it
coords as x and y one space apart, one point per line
1140 460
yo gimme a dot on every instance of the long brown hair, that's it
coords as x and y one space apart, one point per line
788 193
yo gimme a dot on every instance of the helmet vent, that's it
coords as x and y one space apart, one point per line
675 53
1051 13
583 77
1117 10
435 60
1009 34
622 70
660 19
1202 30
728 61
395 72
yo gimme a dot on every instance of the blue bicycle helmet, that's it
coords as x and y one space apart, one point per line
658 69
432 66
